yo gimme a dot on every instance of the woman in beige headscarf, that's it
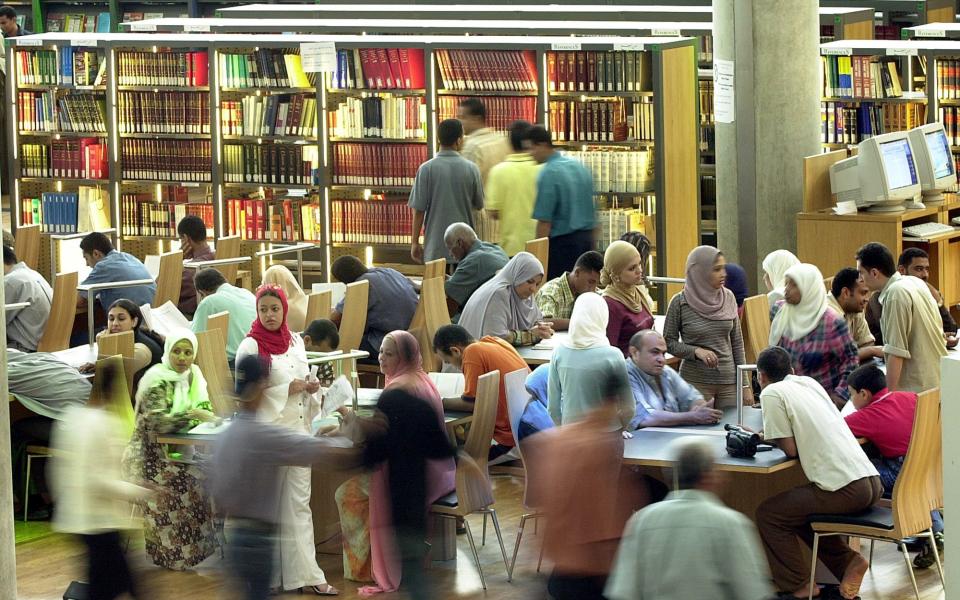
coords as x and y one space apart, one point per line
630 307
296 298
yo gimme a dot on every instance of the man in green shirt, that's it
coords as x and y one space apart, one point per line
557 296
510 190
216 296
477 263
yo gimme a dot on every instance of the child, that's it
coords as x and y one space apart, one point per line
321 335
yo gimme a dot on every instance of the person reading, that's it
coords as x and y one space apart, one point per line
193 243
215 296
557 296
109 265
477 263
22 284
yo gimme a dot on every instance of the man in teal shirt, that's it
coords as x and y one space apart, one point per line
216 295
477 263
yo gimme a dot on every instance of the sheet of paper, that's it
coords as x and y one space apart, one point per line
546 344
724 107
337 291
450 385
318 57
152 263
337 395
164 319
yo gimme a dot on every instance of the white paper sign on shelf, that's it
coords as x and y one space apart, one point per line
87 43
836 51
724 108
665 33
565 46
901 51
930 33
628 46
137 26
26 41
196 28
318 57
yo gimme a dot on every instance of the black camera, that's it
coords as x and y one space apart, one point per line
740 442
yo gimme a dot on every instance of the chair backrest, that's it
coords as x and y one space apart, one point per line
169 278
221 321
63 309
122 407
114 344
540 248
434 315
319 305
473 481
914 494
354 319
228 247
212 360
27 245
434 268
755 325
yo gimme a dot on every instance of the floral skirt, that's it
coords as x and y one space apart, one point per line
353 503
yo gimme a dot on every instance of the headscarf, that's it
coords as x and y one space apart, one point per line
775 265
408 373
499 296
714 304
588 323
296 305
189 387
270 343
737 282
794 321
618 257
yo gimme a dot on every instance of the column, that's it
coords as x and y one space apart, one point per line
8 555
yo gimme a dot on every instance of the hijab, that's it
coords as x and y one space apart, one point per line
714 304
794 321
408 373
618 257
588 323
775 265
498 296
269 342
737 282
189 388
295 311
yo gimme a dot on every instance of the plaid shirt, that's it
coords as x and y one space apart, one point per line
556 299
826 354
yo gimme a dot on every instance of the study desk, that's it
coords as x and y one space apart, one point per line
535 356
368 397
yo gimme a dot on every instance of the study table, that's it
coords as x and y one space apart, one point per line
541 353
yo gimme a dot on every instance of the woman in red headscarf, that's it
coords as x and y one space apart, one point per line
289 400
369 552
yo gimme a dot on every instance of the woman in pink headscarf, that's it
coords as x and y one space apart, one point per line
369 552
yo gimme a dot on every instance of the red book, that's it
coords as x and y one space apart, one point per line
384 77
248 219
396 73
367 58
405 81
199 63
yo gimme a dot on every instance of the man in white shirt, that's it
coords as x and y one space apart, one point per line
22 284
800 418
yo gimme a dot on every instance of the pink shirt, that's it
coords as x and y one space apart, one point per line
887 421
624 323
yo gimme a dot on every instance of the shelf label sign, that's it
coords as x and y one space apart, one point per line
318 57
923 32
196 28
82 42
901 51
629 47
665 32
724 108
836 51
139 26
565 46
26 41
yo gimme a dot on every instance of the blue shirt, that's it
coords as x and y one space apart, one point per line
479 265
565 196
120 266
242 306
668 393
391 302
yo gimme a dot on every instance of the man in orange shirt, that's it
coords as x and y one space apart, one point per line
453 344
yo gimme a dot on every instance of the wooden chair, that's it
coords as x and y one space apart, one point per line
432 270
435 268
119 344
473 492
319 305
121 407
540 248
434 315
63 309
919 489
221 321
169 278
755 325
212 360
27 245
354 320
228 247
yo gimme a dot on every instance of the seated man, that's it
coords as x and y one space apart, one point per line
849 296
557 296
691 517
321 335
111 265
663 398
216 296
454 345
193 244
391 300
800 419
22 284
477 262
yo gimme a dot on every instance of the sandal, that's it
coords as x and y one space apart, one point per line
324 589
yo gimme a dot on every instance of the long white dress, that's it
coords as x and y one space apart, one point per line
297 558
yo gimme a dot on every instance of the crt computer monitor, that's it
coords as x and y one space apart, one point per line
882 177
935 165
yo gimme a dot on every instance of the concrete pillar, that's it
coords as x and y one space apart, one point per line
8 555
774 46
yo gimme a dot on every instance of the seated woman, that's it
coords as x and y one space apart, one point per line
775 266
364 501
124 315
172 396
296 298
627 301
504 306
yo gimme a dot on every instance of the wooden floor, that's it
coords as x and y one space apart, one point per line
46 566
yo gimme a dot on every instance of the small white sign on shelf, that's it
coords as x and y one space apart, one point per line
836 51
665 32
901 51
86 43
26 41
628 47
137 26
565 46
724 107
196 28
318 57
930 33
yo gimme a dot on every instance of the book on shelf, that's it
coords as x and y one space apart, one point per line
273 220
87 209
82 113
290 164
601 120
948 79
379 68
142 215
614 222
950 117
705 54
263 68
373 221
36 67
166 67
165 160
163 112
81 67
706 102
843 123
387 116
377 164
280 115
488 70
594 71
35 111
618 171
501 110
81 158
860 77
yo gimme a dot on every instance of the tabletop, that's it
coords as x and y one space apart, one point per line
541 353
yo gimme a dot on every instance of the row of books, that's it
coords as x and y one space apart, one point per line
79 22
167 67
81 67
613 71
948 79
87 209
379 68
163 112
37 67
284 114
262 68
495 70
614 222
845 124
387 116
82 158
377 164
950 117
142 215
592 121
74 113
706 102
289 164
35 111
501 110
165 160
706 49
618 171
273 220
373 221
860 77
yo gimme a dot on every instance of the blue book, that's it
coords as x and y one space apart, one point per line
66 65
103 22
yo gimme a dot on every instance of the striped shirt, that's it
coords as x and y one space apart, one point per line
485 148
685 330
556 299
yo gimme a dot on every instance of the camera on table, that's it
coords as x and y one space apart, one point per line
740 442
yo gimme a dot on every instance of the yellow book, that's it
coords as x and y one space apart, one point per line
295 71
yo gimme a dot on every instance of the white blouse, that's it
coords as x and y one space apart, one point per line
297 410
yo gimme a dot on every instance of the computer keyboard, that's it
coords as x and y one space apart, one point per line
922 230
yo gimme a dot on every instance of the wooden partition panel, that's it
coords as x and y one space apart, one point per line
169 279
354 321
816 180
27 245
56 334
229 247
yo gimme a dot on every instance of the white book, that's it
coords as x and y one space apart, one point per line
339 290
450 385
164 319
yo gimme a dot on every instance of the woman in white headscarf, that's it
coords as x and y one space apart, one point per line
584 359
817 339
775 266
504 306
